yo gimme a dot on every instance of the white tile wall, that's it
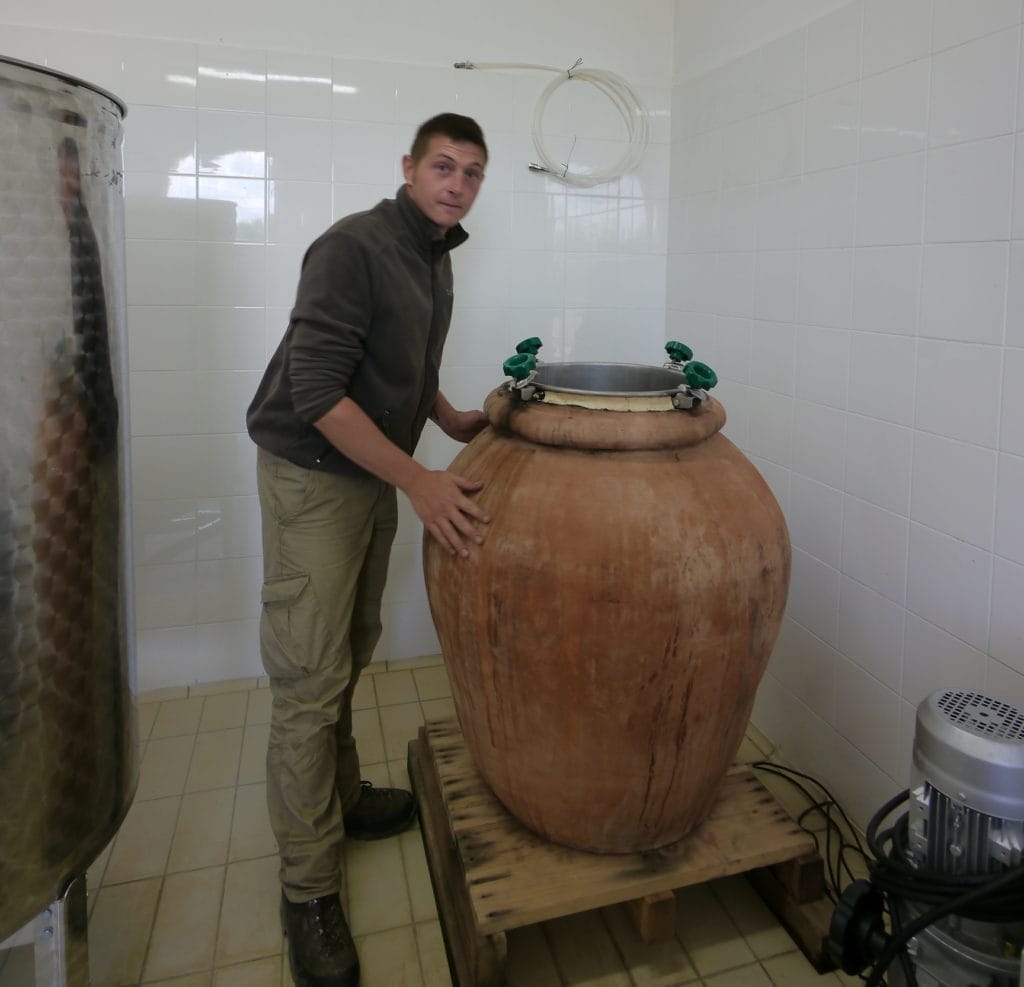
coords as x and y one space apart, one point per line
236 158
888 336
841 208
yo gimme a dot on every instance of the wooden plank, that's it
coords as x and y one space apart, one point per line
806 922
474 959
654 916
516 878
802 878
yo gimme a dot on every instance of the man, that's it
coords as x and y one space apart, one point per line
337 416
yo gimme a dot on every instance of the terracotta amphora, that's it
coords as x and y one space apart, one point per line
606 640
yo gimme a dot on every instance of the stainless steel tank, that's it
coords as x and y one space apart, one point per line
68 761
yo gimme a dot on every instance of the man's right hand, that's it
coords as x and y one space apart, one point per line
439 500
437 496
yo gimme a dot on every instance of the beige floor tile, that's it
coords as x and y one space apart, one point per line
752 917
250 926
400 724
185 931
394 688
192 980
408 664
763 744
389 959
369 739
177 717
143 841
145 714
376 774
223 711
224 685
417 876
657 965
251 835
398 771
584 951
261 973
258 711
252 767
365 695
843 978
744 976
94 875
378 898
215 760
119 930
217 926
707 933
203 831
438 709
793 970
748 752
432 683
530 962
164 767
433 959
162 695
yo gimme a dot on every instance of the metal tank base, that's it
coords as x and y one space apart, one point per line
52 950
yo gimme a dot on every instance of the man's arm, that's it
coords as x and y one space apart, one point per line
459 425
438 497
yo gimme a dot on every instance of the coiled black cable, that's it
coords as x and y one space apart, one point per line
893 874
837 846
976 896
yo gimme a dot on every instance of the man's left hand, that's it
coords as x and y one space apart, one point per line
463 425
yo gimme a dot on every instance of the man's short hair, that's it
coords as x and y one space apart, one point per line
451 125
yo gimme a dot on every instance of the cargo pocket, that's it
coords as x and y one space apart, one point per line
294 639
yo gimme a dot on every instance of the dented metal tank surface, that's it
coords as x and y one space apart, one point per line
68 761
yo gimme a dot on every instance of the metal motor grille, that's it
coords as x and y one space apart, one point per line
982 714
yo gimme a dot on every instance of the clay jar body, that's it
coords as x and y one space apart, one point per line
606 641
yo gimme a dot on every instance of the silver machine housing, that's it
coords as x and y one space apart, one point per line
966 817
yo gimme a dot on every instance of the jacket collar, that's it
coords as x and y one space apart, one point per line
425 232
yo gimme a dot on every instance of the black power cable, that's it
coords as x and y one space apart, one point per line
835 862
977 896
981 897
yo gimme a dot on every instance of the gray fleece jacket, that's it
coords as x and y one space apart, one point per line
371 315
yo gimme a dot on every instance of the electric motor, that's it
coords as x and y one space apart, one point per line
950 868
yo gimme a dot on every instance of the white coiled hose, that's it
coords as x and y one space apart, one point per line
615 88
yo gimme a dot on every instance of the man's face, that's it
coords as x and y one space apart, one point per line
446 180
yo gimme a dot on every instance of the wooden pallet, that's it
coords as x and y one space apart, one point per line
490 874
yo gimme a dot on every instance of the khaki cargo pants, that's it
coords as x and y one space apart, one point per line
326 544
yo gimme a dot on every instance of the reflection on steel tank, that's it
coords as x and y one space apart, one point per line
68 758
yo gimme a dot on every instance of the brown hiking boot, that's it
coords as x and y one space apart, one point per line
320 946
379 813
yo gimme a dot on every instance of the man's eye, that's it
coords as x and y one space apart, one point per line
444 167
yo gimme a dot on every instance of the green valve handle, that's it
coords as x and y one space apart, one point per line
531 346
520 366
699 374
678 352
